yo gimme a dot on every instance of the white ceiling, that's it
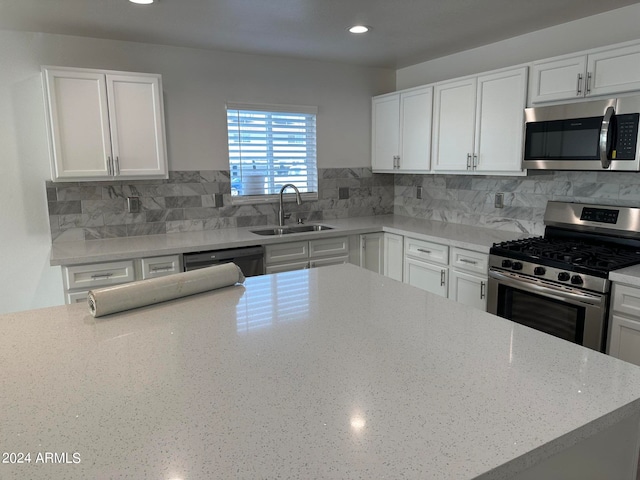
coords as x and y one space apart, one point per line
403 32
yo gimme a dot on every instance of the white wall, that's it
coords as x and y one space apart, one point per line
607 28
196 85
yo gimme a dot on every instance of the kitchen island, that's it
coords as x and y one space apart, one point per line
333 372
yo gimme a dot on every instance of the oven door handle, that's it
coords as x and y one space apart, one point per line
523 283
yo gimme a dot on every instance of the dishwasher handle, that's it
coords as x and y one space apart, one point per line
219 256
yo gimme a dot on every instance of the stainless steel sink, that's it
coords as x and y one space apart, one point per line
292 229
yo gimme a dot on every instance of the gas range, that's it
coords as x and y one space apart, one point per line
580 246
559 283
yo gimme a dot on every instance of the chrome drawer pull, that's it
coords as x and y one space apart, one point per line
423 250
482 290
161 269
464 260
95 276
442 278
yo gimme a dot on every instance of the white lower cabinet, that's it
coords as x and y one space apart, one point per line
372 251
624 324
284 257
427 276
160 266
468 279
79 279
393 255
426 265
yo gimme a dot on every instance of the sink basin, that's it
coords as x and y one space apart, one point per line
310 228
292 229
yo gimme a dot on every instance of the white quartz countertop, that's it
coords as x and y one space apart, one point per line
628 275
91 251
334 372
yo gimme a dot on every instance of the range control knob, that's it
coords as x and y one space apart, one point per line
506 263
539 271
563 276
517 266
576 280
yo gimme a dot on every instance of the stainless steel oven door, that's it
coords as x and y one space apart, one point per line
573 314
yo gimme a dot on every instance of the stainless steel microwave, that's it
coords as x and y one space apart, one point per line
596 135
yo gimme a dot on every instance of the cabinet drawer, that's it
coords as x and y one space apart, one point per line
626 300
285 252
160 266
469 260
433 252
287 267
76 297
323 262
98 274
325 247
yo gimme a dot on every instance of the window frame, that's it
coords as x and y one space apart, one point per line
275 108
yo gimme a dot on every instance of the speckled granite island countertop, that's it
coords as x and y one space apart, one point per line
328 373
91 251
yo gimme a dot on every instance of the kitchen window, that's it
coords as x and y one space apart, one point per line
270 146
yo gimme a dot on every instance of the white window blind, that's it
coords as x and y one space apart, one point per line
270 146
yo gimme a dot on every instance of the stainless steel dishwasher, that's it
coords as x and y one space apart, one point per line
249 259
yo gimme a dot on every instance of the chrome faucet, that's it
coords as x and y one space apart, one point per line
281 215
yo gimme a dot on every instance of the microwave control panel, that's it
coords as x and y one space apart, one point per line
627 136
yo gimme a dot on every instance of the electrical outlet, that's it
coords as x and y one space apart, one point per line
133 204
419 193
499 200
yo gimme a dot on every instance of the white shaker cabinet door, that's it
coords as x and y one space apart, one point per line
624 342
137 128
372 252
560 79
468 289
614 71
385 134
427 276
454 125
415 129
502 98
78 118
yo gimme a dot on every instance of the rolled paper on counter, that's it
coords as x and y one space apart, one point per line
118 298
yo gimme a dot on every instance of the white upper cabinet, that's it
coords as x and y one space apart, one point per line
478 123
454 125
104 125
606 71
401 131
499 130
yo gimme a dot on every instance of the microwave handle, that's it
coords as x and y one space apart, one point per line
605 136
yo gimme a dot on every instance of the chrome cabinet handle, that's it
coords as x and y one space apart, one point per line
423 250
464 260
588 89
483 286
117 166
442 278
475 161
109 167
95 276
161 269
468 161
579 86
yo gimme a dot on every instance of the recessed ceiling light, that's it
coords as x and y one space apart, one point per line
359 29
142 2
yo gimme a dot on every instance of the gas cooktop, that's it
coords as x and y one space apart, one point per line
593 258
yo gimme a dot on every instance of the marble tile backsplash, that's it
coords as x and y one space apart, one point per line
470 199
185 202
